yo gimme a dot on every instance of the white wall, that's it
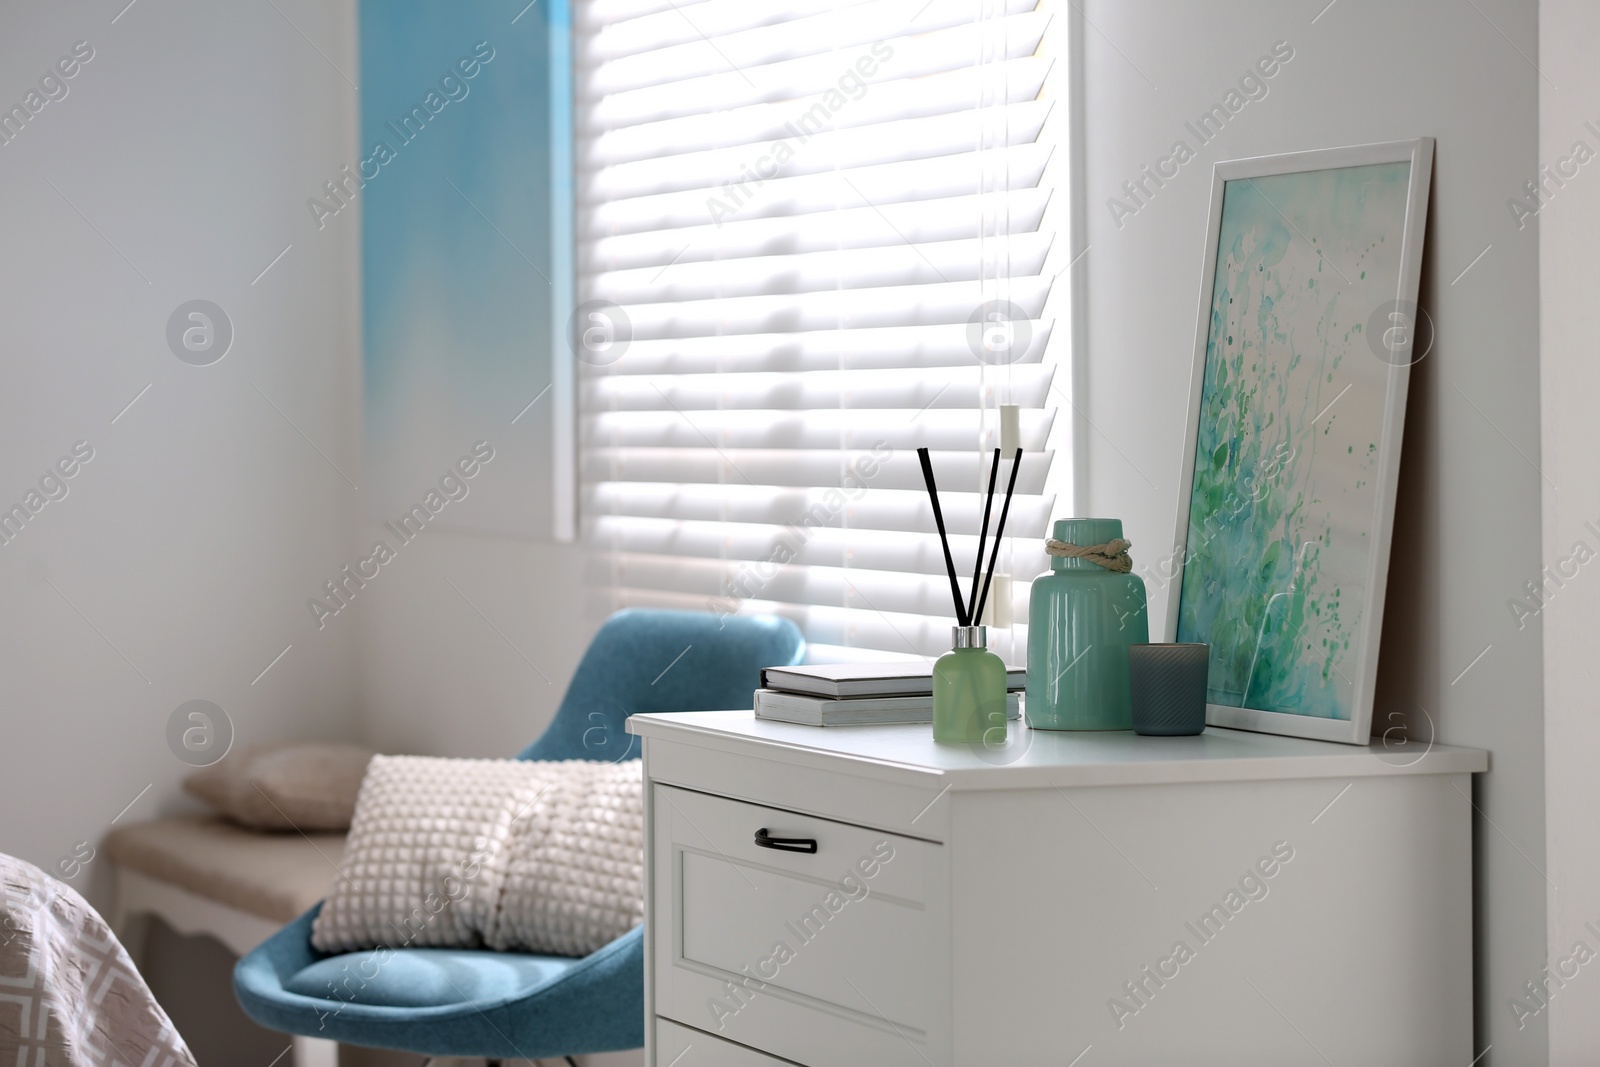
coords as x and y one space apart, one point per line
475 670
1570 384
1468 516
177 566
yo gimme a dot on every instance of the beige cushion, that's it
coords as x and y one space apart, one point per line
274 876
305 786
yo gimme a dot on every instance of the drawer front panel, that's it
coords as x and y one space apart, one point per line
806 938
885 863
683 1047
794 953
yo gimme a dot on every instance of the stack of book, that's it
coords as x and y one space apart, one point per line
841 694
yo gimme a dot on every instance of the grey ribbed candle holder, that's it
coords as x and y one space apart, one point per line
1168 686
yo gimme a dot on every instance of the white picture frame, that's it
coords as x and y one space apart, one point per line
1315 652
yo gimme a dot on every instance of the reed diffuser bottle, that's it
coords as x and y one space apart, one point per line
969 681
969 690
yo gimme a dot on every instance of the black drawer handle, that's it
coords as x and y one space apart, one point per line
785 844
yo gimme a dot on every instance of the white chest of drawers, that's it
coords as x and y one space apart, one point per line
1089 899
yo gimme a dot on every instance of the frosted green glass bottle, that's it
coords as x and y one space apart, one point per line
1081 620
969 690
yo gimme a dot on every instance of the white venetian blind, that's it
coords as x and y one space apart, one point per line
790 217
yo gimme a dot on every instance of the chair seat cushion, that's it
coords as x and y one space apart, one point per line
426 977
274 876
594 1004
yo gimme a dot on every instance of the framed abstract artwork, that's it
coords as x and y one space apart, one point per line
1308 329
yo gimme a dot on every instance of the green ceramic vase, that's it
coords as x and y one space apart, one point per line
1081 620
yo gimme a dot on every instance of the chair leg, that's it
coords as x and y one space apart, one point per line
315 1052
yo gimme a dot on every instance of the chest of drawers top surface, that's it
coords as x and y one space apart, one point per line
1032 759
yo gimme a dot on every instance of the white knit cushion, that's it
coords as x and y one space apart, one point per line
512 854
581 863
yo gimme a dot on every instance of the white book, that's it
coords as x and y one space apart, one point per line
841 681
824 711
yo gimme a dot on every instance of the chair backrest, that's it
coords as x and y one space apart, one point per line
646 660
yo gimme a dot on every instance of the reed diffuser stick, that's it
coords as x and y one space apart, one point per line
999 531
988 506
944 540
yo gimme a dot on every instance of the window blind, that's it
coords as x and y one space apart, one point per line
812 236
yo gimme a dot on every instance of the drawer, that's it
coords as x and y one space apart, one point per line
683 1047
799 954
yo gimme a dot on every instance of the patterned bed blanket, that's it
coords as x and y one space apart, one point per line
69 994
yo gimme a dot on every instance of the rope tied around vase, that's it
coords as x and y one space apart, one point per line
1113 555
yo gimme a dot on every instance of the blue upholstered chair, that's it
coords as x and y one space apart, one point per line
471 1002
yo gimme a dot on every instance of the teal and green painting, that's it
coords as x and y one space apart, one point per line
1287 456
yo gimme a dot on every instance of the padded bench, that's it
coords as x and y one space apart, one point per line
202 875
